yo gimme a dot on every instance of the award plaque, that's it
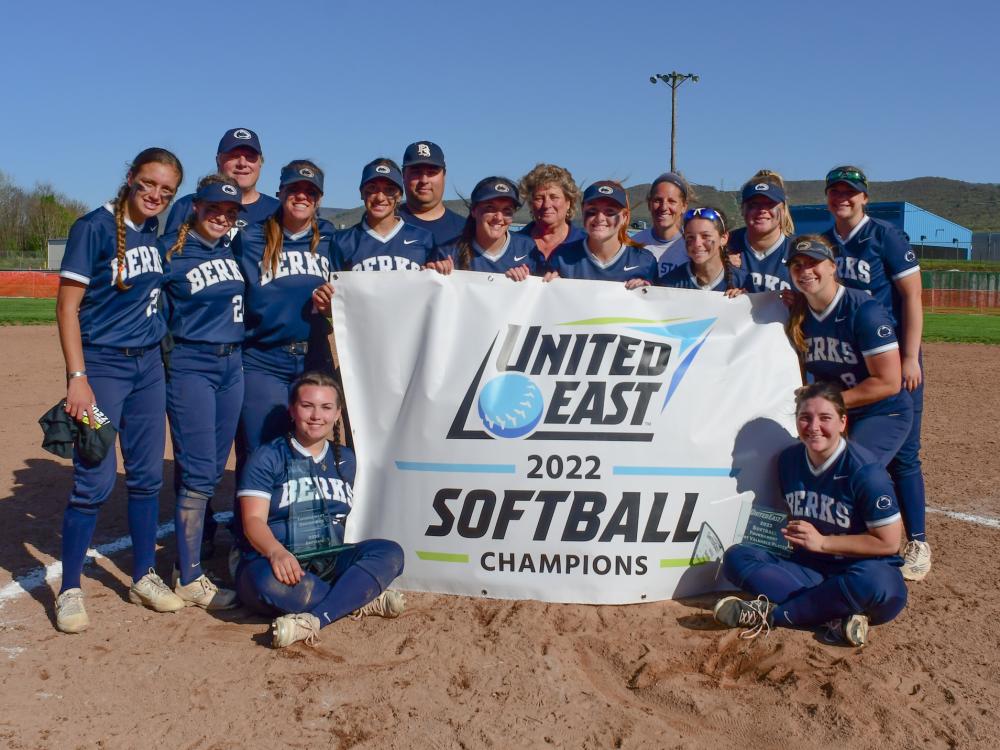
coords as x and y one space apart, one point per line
312 529
762 528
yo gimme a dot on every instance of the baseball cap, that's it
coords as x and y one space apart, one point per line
765 188
301 173
239 137
495 187
61 434
598 190
674 179
379 169
220 192
423 152
810 248
849 175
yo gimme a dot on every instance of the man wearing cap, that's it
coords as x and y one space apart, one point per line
240 157
667 201
423 182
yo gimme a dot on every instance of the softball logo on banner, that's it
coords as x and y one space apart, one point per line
592 446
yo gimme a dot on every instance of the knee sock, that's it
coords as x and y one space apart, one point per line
77 532
189 515
142 512
912 504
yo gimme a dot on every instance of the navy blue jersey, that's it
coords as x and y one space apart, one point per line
839 338
768 270
256 213
575 235
445 230
874 257
109 316
669 253
283 472
406 248
849 494
575 261
203 291
682 277
519 250
279 307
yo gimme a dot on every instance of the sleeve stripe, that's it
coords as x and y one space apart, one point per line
880 349
907 272
75 277
263 494
883 521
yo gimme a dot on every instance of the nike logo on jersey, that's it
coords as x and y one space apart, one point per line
630 268
840 476
519 258
840 320
409 242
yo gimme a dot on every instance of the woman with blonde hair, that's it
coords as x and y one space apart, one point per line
763 243
552 195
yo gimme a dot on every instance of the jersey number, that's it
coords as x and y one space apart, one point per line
238 308
154 298
849 380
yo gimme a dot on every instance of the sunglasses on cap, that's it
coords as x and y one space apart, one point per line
846 175
705 213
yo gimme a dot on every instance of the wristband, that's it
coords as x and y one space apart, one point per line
75 374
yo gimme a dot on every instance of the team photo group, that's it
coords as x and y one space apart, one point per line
217 315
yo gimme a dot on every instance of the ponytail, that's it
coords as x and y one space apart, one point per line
121 202
465 243
178 245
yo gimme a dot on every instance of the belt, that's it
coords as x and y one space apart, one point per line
219 350
295 347
128 351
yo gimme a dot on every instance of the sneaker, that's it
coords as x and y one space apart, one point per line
916 560
203 592
754 615
151 591
853 631
71 617
289 629
389 604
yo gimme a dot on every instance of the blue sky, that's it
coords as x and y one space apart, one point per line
904 89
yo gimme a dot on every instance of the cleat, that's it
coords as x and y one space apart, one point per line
202 592
71 617
754 615
916 560
152 592
389 604
289 629
852 631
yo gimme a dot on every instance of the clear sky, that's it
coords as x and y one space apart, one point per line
904 89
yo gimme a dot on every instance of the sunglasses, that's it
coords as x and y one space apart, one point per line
846 175
705 213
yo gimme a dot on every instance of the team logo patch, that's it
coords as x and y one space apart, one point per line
803 246
241 223
243 135
501 187
884 332
229 190
605 190
510 405
910 256
762 187
884 502
423 149
306 172
382 169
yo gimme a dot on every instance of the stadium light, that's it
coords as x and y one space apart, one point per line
674 81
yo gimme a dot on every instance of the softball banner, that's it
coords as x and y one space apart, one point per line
569 442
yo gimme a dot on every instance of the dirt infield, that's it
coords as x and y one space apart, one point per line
458 672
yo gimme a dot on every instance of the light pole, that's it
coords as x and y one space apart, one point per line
673 80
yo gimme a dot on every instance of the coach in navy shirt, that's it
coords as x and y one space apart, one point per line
423 182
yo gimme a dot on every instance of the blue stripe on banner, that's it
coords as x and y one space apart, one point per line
673 471
456 468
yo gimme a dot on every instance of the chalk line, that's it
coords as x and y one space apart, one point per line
53 571
990 521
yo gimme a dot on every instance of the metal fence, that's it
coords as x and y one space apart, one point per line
961 291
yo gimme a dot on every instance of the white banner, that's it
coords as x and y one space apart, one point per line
569 442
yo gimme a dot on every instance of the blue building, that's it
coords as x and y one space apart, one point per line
932 236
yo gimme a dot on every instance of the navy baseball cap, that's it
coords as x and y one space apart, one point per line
423 152
377 169
674 179
220 192
848 175
765 188
495 187
239 137
810 248
301 173
610 192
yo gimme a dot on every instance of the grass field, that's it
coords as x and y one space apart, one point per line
957 327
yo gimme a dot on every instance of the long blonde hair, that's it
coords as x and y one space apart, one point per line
274 231
772 177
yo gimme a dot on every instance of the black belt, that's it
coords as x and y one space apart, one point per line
295 347
128 351
219 350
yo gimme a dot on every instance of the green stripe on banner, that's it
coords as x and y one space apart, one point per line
442 556
676 562
611 321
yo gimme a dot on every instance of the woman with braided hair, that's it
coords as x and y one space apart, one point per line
708 267
294 497
110 330
203 291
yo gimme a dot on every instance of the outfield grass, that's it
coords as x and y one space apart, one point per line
959 327
23 311
989 266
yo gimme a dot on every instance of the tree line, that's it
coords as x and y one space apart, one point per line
29 218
